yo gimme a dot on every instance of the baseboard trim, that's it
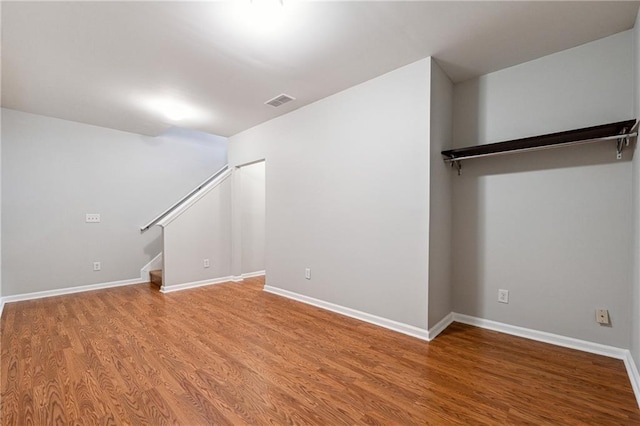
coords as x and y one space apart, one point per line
632 372
69 290
407 329
252 274
567 342
440 326
195 284
543 336
1 306
242 277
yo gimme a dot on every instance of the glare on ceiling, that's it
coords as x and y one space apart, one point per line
174 112
172 109
262 17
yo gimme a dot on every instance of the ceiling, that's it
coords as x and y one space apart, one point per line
116 64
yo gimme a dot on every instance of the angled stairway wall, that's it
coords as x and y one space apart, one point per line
197 238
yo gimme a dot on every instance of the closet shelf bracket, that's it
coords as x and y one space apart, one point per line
457 164
622 143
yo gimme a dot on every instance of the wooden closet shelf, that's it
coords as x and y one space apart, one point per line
620 131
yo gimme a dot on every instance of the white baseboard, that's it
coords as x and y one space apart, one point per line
359 315
155 263
440 326
253 274
69 290
567 342
634 377
1 306
242 277
195 284
543 336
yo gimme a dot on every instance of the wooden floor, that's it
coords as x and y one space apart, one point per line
232 354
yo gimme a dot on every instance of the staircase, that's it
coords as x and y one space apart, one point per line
156 277
169 215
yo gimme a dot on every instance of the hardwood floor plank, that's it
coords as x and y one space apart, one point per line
53 412
93 400
157 410
233 354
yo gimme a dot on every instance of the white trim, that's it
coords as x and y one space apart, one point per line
1 306
194 284
634 377
155 263
543 336
70 290
252 274
194 199
241 277
440 326
567 342
359 315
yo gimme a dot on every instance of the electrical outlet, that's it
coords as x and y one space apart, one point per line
97 266
205 263
503 296
92 218
602 316
307 273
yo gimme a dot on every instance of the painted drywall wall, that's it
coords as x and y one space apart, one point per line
0 167
1 293
203 231
252 211
552 227
635 281
440 205
348 195
55 171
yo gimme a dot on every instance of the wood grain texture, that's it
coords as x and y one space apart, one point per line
155 277
231 354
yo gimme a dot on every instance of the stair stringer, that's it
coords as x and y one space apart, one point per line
155 263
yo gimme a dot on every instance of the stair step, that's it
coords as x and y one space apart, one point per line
156 277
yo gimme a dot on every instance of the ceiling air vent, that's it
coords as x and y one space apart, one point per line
279 100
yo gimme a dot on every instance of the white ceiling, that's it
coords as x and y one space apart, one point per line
105 63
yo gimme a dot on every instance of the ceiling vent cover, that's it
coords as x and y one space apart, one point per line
279 100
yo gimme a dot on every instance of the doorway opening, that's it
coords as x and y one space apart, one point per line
251 219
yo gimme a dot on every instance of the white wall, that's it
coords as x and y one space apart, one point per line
0 166
440 300
252 211
54 171
635 288
203 231
348 195
552 227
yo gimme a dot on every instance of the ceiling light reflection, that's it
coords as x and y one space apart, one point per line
262 17
172 109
